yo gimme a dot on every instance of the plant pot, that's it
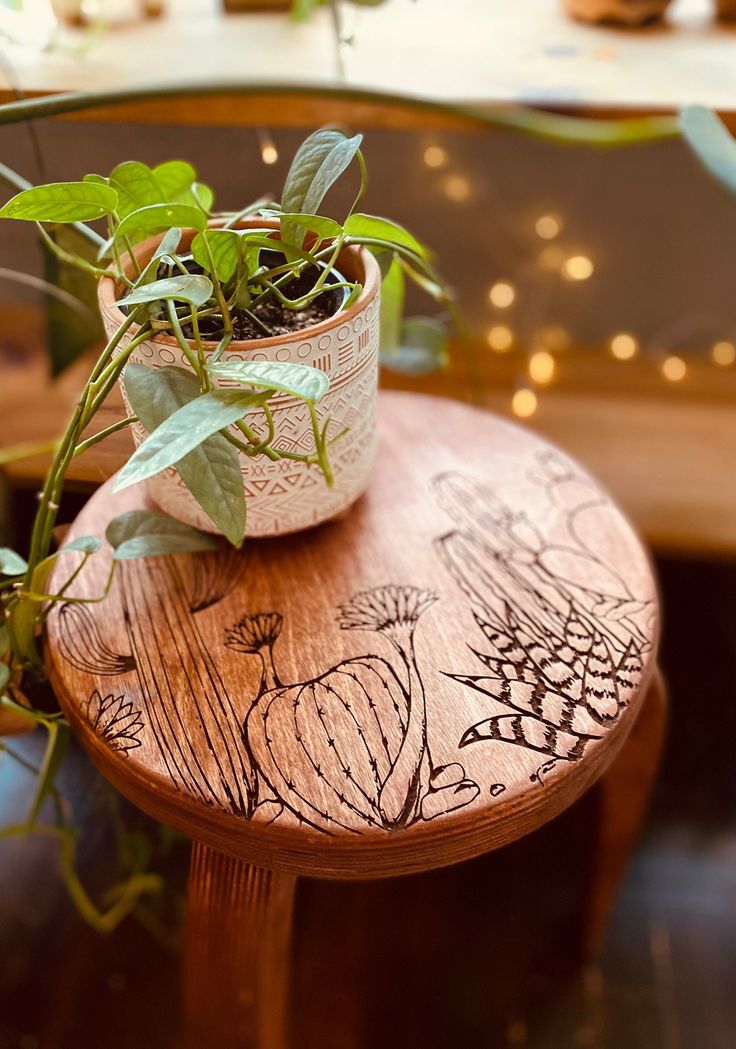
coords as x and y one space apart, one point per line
616 12
286 496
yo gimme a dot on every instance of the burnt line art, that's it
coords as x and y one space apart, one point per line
202 755
348 749
114 719
81 645
214 575
566 637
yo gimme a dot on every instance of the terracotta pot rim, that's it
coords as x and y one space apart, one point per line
107 295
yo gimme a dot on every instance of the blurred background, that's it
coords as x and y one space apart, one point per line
597 289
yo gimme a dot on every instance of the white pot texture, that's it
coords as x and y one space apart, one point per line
287 496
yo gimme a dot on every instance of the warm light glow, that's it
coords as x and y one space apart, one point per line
723 353
578 267
500 338
269 153
524 403
435 157
502 294
457 188
624 346
542 367
674 369
551 257
548 226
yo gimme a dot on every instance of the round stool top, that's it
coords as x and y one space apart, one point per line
438 673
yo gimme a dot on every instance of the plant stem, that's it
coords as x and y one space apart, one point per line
75 260
49 501
83 446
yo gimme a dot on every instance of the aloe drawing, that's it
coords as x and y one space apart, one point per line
564 634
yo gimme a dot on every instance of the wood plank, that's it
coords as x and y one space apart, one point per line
491 53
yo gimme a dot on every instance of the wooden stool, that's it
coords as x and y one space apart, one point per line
437 674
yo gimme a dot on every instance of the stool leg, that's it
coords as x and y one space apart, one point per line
236 958
624 795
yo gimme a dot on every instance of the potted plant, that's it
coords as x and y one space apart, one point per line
246 345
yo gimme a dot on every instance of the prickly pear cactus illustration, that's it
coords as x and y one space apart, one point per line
348 748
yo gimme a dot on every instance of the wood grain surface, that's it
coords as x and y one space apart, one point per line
435 675
237 954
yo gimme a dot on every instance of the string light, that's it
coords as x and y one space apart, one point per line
435 157
542 367
269 152
500 338
524 403
502 294
457 188
624 346
674 369
578 267
723 353
548 226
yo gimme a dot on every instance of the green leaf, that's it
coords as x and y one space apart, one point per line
224 245
423 348
393 290
211 471
326 229
318 163
203 195
300 380
173 182
169 243
4 676
708 137
184 431
136 187
24 616
11 563
62 202
87 544
193 288
156 217
146 533
175 179
376 228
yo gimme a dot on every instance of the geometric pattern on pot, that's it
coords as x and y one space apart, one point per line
284 496
466 649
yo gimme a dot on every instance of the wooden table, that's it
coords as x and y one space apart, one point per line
434 675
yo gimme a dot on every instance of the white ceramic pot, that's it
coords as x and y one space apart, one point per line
287 496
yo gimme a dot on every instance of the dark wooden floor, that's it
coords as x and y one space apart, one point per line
482 955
